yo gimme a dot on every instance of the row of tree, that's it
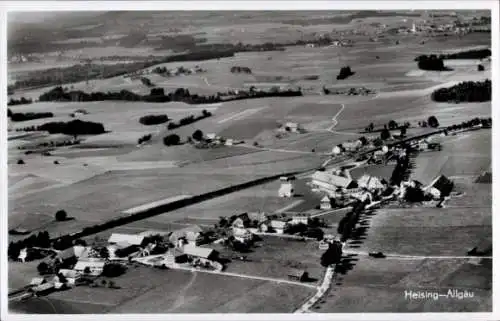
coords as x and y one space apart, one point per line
74 128
157 95
467 91
42 240
21 101
469 54
153 119
143 139
431 62
18 117
189 120
344 73
349 221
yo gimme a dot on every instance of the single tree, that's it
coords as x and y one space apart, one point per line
198 135
392 124
43 268
403 131
433 122
385 134
86 271
61 215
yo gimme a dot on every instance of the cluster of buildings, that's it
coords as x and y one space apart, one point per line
212 140
291 127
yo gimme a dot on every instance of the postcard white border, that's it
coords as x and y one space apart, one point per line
8 6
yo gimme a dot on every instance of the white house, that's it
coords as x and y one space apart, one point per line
211 136
292 127
95 267
286 188
131 239
336 150
278 226
229 142
242 235
329 182
23 254
325 204
300 219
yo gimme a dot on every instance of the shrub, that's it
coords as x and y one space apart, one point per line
432 62
153 119
20 162
113 270
197 135
171 140
344 73
144 138
480 68
9 112
385 134
433 122
61 215
43 268
393 124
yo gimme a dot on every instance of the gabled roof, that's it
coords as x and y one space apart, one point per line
128 238
153 232
278 224
332 179
296 272
325 199
202 252
37 281
81 265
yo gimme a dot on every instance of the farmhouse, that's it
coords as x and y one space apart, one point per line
292 127
242 235
200 252
278 226
95 267
330 182
70 275
371 183
154 232
192 234
297 275
352 146
174 256
300 219
131 239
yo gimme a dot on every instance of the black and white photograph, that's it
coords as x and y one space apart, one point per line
212 161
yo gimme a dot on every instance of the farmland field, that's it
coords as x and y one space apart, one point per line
95 178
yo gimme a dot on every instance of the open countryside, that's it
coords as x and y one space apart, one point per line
250 162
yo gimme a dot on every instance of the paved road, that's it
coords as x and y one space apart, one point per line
417 257
325 285
252 277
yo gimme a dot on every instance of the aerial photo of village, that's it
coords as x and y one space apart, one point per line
249 161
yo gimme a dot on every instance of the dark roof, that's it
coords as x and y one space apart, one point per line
296 273
443 184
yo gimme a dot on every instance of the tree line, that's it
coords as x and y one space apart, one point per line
73 128
469 54
157 95
18 117
189 120
431 63
20 101
467 91
153 119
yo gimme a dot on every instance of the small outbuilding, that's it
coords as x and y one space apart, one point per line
298 275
